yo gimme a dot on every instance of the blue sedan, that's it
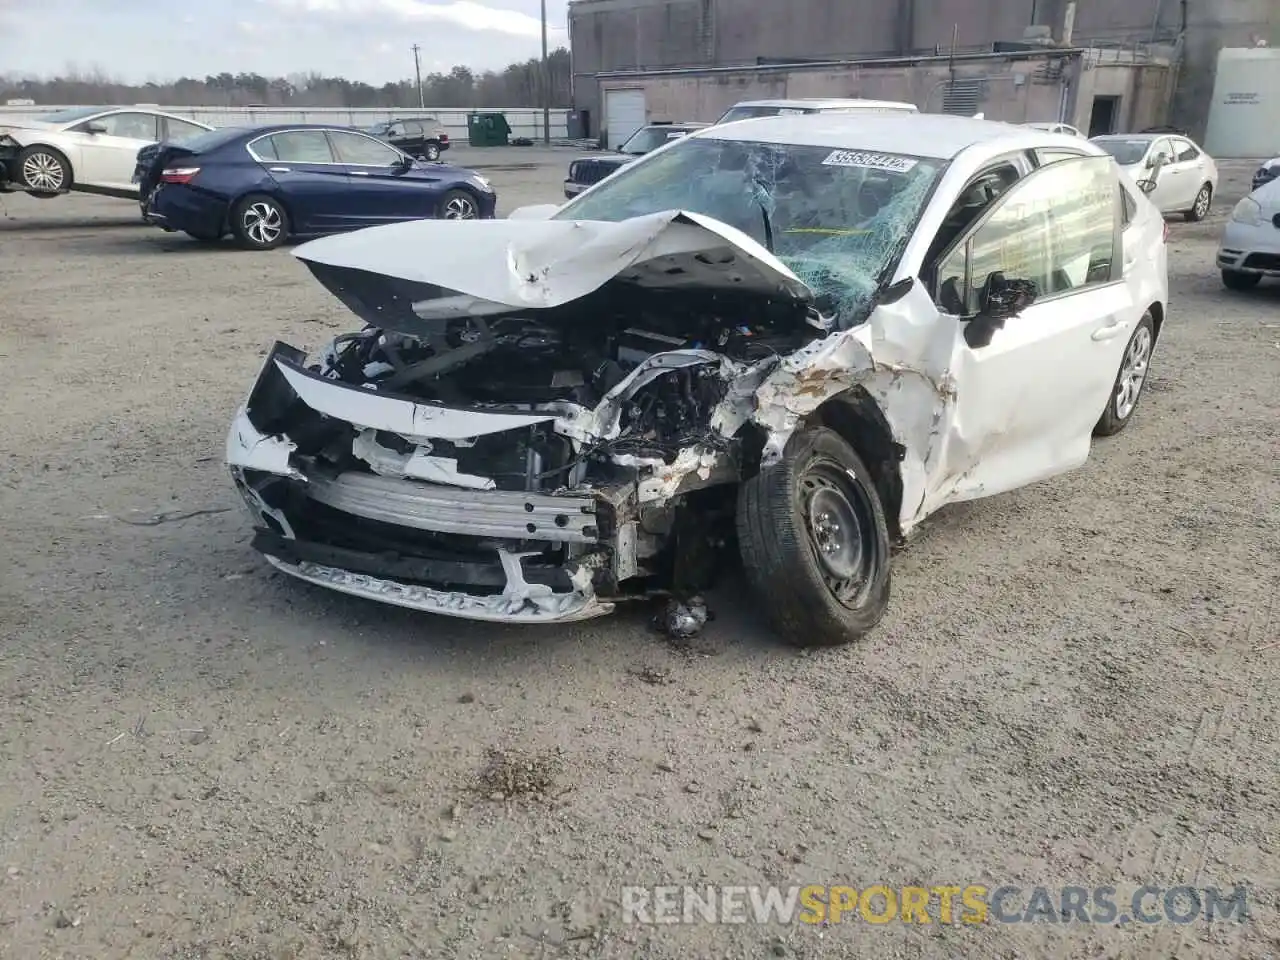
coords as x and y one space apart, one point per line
269 184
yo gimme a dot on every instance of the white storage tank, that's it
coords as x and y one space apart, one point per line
1244 116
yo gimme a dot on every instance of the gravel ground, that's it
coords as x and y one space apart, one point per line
200 758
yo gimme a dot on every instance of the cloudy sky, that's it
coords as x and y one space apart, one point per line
368 40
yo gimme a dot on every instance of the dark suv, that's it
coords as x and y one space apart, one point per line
585 171
421 137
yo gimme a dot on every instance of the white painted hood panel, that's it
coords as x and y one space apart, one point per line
546 263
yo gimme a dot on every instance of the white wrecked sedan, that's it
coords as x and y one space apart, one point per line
796 335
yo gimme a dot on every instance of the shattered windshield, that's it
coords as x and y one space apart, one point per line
836 218
1126 152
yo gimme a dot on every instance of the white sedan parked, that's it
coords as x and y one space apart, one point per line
1250 248
816 330
85 149
1181 177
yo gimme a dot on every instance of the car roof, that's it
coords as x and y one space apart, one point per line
281 127
936 136
1148 137
823 102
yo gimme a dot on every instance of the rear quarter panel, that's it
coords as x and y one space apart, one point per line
230 173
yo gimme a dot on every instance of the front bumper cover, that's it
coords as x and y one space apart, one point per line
1251 248
494 555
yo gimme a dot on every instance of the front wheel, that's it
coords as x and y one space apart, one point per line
259 223
44 171
1238 280
1200 209
1129 381
814 541
458 205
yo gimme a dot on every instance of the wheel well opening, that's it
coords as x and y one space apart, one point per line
235 204
1157 318
862 424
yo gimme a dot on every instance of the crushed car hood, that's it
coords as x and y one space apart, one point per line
457 268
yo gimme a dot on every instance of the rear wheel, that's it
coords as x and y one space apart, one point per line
431 152
814 542
1129 381
1237 280
1200 209
44 171
458 205
259 222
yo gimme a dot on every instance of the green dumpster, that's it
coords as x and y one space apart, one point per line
487 130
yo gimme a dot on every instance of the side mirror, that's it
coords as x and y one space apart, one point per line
1146 186
1001 298
404 163
95 126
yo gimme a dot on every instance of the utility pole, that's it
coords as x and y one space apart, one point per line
546 82
417 72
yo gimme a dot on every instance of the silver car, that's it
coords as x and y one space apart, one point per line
1176 174
85 149
1250 247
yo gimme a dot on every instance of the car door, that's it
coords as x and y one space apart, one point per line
415 141
382 187
1169 194
1192 162
1031 387
311 181
109 146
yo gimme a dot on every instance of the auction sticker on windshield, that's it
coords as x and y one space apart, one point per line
869 161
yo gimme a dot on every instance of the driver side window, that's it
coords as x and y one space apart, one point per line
1058 229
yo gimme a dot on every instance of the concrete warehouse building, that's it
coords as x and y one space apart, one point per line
1101 65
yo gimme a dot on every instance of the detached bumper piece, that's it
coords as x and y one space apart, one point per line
405 546
9 151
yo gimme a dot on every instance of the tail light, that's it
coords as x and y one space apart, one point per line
178 174
1165 238
444 138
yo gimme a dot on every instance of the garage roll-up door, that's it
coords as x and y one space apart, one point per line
624 114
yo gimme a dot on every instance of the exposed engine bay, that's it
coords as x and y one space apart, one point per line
546 441
574 357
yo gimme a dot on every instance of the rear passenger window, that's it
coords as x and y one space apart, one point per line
1056 228
1186 151
300 146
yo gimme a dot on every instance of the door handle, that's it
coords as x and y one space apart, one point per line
358 173
281 169
1110 331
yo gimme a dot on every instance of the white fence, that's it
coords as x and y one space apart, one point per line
524 121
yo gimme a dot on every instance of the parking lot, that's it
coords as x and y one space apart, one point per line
199 757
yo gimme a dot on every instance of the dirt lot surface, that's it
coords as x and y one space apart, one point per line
200 758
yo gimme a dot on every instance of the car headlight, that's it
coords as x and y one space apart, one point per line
1247 211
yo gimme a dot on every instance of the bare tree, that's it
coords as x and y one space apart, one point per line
515 86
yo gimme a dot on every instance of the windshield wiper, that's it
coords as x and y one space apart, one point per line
768 227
